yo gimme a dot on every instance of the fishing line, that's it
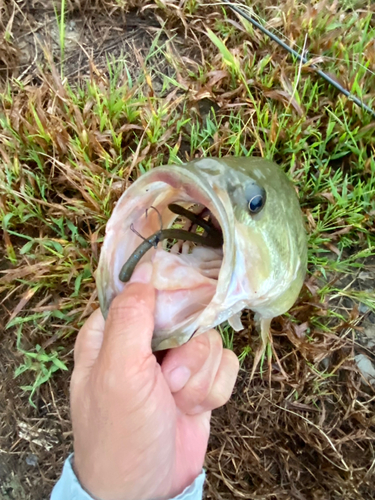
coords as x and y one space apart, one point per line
300 57
282 35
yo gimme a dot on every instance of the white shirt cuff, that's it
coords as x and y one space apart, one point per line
69 488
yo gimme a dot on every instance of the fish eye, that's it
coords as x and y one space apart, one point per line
256 204
256 198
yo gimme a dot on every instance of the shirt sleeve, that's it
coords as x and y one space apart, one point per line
68 487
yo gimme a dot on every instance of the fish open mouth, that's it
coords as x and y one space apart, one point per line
186 259
179 227
180 238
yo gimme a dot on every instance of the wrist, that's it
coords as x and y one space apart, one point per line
77 491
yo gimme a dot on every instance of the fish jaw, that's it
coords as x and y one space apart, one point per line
254 274
262 280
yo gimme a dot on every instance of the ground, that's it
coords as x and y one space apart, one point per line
94 93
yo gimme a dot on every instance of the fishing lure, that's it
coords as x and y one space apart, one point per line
214 238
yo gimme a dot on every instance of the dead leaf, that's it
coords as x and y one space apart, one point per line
300 330
216 77
285 98
21 304
329 197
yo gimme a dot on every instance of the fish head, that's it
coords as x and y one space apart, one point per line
262 262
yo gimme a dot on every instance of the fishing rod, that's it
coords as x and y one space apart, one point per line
300 57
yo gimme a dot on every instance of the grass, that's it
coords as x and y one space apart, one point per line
60 20
43 364
69 149
59 169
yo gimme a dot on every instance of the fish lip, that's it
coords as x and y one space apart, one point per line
201 191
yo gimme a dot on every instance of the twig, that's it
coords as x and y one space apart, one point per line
346 469
299 73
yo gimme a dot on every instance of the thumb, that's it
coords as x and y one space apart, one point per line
88 343
130 322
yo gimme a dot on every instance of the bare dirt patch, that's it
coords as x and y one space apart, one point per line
92 35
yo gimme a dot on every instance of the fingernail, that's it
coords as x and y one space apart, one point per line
178 378
142 273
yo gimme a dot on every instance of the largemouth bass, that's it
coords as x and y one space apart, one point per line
260 265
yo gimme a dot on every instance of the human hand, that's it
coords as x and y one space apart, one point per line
140 428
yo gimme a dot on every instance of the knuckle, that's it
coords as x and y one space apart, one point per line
216 340
232 362
199 390
220 395
202 346
207 342
221 398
